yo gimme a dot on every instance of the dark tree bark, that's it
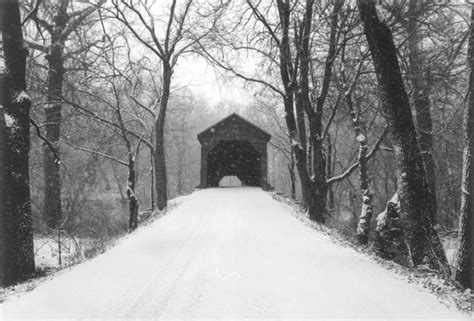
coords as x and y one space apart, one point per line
294 72
317 203
152 180
180 167
52 179
132 198
180 155
287 75
331 201
420 97
414 192
309 161
160 162
59 30
3 189
314 187
291 173
18 255
317 208
465 259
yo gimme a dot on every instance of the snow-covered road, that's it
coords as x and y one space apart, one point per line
228 253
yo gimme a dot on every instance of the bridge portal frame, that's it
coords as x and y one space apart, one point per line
230 129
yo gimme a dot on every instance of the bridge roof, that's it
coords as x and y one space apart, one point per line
244 128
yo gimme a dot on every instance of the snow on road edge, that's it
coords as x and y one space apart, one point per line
447 292
17 290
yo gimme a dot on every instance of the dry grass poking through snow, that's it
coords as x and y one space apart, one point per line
74 251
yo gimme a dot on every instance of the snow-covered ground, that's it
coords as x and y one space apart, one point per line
72 250
228 253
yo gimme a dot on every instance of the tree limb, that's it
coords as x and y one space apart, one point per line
57 161
99 154
354 166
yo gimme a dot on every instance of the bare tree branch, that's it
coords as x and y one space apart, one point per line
354 166
51 147
121 162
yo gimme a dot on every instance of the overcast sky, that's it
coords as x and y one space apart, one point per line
203 80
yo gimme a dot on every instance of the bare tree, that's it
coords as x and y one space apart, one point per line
57 20
419 77
112 104
363 227
287 52
168 41
465 259
294 69
18 255
3 186
414 193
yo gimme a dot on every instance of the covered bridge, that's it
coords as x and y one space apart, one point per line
234 147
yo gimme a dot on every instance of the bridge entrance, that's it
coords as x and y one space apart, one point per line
230 181
234 147
234 158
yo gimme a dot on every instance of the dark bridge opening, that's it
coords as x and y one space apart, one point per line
234 158
234 147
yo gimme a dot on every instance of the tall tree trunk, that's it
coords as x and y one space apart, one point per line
301 123
179 176
331 203
132 197
319 184
317 207
420 98
465 258
180 163
366 212
52 185
160 162
300 94
291 172
414 193
152 181
286 73
309 161
315 115
18 256
3 187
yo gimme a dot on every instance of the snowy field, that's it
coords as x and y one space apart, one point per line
227 253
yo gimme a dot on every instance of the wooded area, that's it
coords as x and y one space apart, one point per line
98 120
